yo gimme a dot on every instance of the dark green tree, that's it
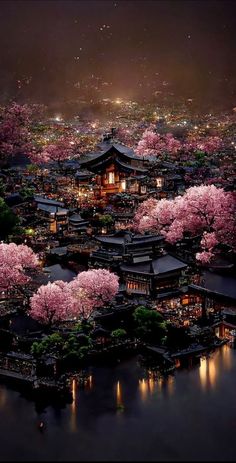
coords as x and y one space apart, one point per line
8 220
149 325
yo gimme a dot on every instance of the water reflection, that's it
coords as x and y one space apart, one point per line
74 388
226 356
119 401
210 367
90 382
59 272
143 387
169 410
155 383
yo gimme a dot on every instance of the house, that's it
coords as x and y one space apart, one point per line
156 276
114 169
53 211
124 246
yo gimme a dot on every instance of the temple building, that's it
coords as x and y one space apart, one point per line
115 169
53 212
124 246
77 224
144 266
162 275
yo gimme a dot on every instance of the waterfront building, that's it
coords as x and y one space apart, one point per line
217 292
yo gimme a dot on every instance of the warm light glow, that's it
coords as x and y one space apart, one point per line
159 182
170 384
111 178
118 101
74 405
143 386
123 185
207 372
119 402
58 118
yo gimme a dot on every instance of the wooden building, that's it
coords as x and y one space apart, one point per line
115 169
124 246
160 275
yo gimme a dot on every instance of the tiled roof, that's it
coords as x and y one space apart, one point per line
163 264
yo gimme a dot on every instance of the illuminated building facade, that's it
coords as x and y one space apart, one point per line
114 170
163 274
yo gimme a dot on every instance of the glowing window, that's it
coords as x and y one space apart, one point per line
111 177
123 185
159 182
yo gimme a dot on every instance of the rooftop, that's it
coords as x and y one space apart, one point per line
221 285
160 265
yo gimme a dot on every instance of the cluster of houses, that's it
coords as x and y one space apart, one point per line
116 180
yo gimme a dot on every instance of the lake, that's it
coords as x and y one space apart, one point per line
59 272
121 415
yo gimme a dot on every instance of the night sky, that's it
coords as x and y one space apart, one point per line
57 51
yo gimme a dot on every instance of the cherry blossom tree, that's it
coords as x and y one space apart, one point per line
14 130
59 301
16 261
154 144
208 145
92 289
125 136
203 210
51 303
59 151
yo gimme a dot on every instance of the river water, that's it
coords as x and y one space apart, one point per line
120 415
59 272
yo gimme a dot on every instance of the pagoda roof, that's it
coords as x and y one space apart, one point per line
101 162
52 209
106 146
158 266
76 219
84 174
130 168
218 285
52 202
128 240
109 148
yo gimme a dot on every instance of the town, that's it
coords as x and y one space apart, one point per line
116 240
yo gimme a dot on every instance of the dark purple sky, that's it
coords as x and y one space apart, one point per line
60 50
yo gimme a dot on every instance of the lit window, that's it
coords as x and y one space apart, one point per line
111 177
123 185
159 182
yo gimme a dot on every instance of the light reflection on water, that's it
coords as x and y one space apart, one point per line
209 370
74 405
122 412
211 366
154 384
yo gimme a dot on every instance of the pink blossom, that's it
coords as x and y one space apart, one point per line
51 303
204 257
15 263
202 210
14 130
208 145
60 151
92 289
154 144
